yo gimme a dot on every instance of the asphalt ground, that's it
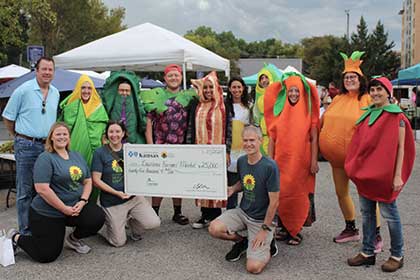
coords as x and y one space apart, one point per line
179 252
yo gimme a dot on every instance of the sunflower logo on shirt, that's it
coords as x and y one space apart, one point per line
116 167
75 173
249 182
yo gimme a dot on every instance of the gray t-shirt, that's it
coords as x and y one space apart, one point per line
112 174
257 181
65 177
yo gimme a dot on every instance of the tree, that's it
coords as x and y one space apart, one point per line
321 58
13 31
382 59
61 25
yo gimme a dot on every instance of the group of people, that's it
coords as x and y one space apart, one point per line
272 151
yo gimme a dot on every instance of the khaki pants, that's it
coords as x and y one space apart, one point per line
137 212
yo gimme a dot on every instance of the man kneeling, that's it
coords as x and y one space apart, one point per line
260 185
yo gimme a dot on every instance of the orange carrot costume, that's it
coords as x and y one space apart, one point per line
210 124
290 126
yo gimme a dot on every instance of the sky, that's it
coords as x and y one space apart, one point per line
288 21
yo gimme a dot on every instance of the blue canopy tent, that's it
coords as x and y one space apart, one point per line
149 83
63 80
408 77
251 80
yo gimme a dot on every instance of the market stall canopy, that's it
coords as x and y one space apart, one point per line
12 71
63 80
293 69
412 72
144 47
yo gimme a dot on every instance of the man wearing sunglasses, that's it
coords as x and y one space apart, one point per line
28 116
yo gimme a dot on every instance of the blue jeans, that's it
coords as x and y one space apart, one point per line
26 153
389 212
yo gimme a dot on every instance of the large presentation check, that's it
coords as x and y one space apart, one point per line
187 171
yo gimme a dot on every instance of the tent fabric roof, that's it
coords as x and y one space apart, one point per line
252 80
405 82
63 80
13 71
145 47
412 72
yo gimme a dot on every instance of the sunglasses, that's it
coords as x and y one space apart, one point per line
43 110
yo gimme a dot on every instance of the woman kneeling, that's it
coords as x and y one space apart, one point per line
63 185
119 207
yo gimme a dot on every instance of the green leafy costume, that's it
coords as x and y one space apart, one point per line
134 110
87 122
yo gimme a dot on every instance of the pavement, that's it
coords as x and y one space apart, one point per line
179 252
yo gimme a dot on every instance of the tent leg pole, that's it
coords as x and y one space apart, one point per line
184 76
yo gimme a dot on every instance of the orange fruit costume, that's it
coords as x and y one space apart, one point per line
337 127
289 126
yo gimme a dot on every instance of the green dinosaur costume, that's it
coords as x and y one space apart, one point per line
135 116
87 122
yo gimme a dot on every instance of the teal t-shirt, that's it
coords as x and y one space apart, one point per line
257 181
65 177
112 174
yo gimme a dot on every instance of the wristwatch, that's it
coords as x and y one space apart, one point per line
265 227
83 199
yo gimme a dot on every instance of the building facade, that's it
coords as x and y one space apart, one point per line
410 35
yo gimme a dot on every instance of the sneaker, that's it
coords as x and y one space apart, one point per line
76 244
379 244
360 260
202 223
347 235
10 234
392 265
238 249
274 250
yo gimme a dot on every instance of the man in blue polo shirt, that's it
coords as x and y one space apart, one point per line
28 116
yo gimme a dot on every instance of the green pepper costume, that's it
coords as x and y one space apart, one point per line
87 122
133 113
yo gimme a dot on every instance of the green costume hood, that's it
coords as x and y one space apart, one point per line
136 115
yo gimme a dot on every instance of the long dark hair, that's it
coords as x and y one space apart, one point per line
244 98
363 85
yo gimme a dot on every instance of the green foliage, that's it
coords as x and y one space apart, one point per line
61 25
321 57
323 63
13 31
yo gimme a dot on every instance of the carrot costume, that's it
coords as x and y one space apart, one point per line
289 126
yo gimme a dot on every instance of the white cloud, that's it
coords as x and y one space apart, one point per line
253 20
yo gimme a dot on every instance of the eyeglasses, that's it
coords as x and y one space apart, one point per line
43 110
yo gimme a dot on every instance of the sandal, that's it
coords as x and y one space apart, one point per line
180 219
295 241
281 234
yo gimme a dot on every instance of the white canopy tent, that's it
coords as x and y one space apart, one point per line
13 71
144 47
290 68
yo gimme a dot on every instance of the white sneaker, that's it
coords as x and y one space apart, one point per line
202 223
76 244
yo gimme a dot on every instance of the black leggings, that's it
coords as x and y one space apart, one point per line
46 242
